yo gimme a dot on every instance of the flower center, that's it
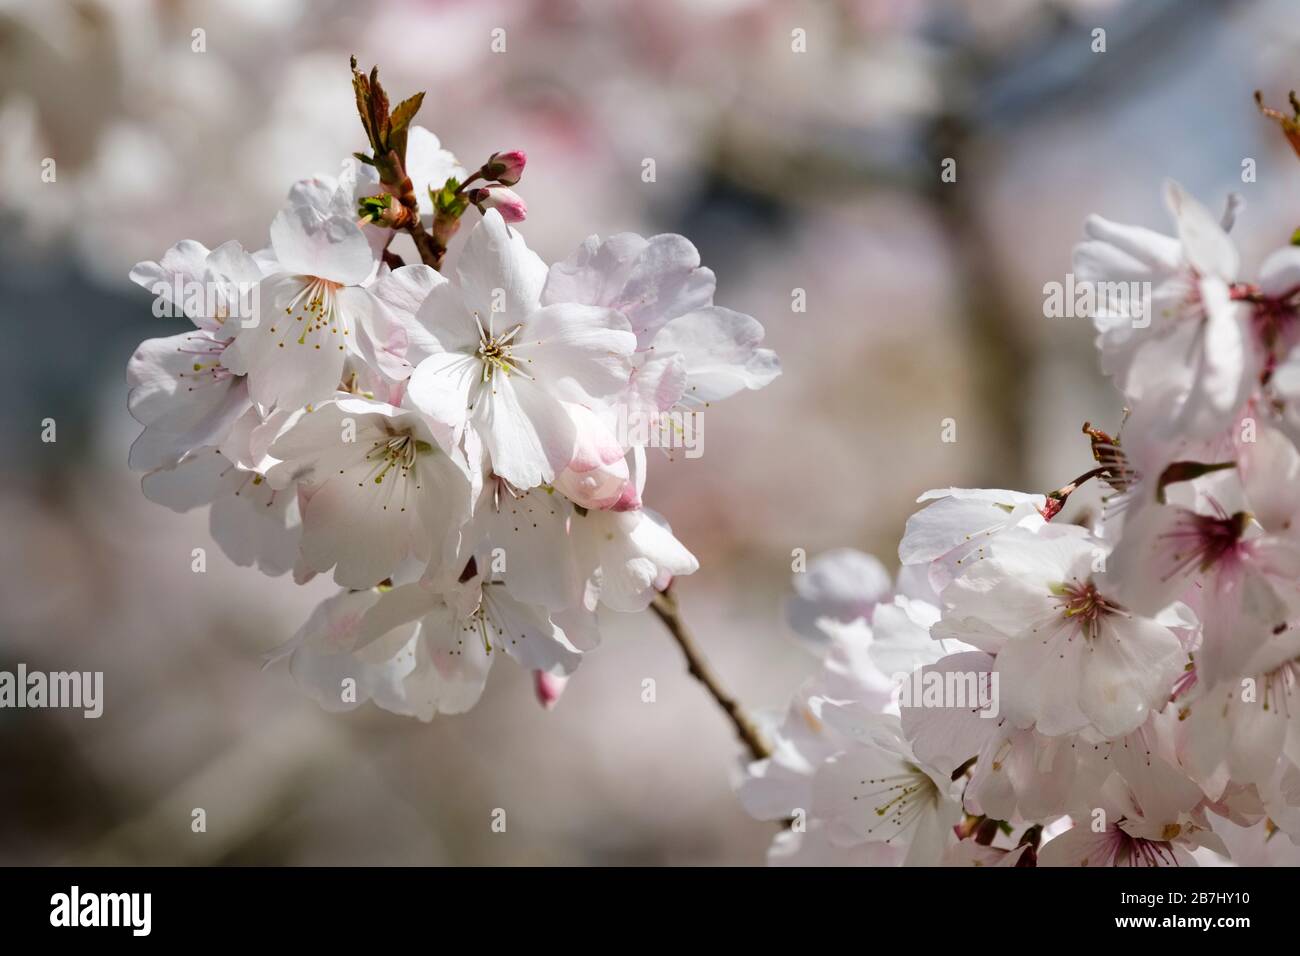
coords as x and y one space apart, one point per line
1083 605
398 451
900 799
1139 851
495 352
1203 540
206 368
314 314
1274 317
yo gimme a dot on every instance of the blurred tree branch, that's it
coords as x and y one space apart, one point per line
665 608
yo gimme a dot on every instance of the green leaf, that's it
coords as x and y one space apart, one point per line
372 207
447 202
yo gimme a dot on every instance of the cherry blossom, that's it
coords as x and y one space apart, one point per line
505 363
447 446
1135 671
689 352
314 311
182 389
1191 335
377 488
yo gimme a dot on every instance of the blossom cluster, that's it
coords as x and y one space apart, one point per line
1042 686
451 448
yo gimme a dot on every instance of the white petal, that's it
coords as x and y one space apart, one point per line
180 391
443 388
843 584
531 533
1270 471
946 737
199 479
650 281
333 248
258 526
403 292
1206 245
578 353
1128 673
1280 273
287 366
526 431
722 353
500 277
528 634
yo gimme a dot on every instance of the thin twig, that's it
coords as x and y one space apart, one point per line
665 607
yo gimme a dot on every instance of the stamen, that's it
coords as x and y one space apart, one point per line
495 352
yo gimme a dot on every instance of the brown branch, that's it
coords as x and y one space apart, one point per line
431 251
665 607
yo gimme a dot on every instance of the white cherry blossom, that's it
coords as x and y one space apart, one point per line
689 352
504 364
378 488
1192 335
182 389
314 312
1068 654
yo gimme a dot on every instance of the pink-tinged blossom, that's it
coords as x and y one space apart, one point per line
506 168
502 364
314 312
1232 549
598 475
548 688
503 199
380 487
1191 335
689 352
1069 655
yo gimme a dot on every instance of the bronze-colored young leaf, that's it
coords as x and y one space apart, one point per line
403 113
361 86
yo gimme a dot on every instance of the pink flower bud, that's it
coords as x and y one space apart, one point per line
598 476
504 200
630 500
506 168
549 687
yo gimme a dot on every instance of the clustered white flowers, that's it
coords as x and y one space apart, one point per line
1121 690
450 447
1034 687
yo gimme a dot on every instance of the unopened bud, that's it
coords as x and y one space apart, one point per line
506 168
501 198
597 477
549 687
507 202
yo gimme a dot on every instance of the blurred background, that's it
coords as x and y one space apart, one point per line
814 171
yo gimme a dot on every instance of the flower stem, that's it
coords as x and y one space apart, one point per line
665 607
430 249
